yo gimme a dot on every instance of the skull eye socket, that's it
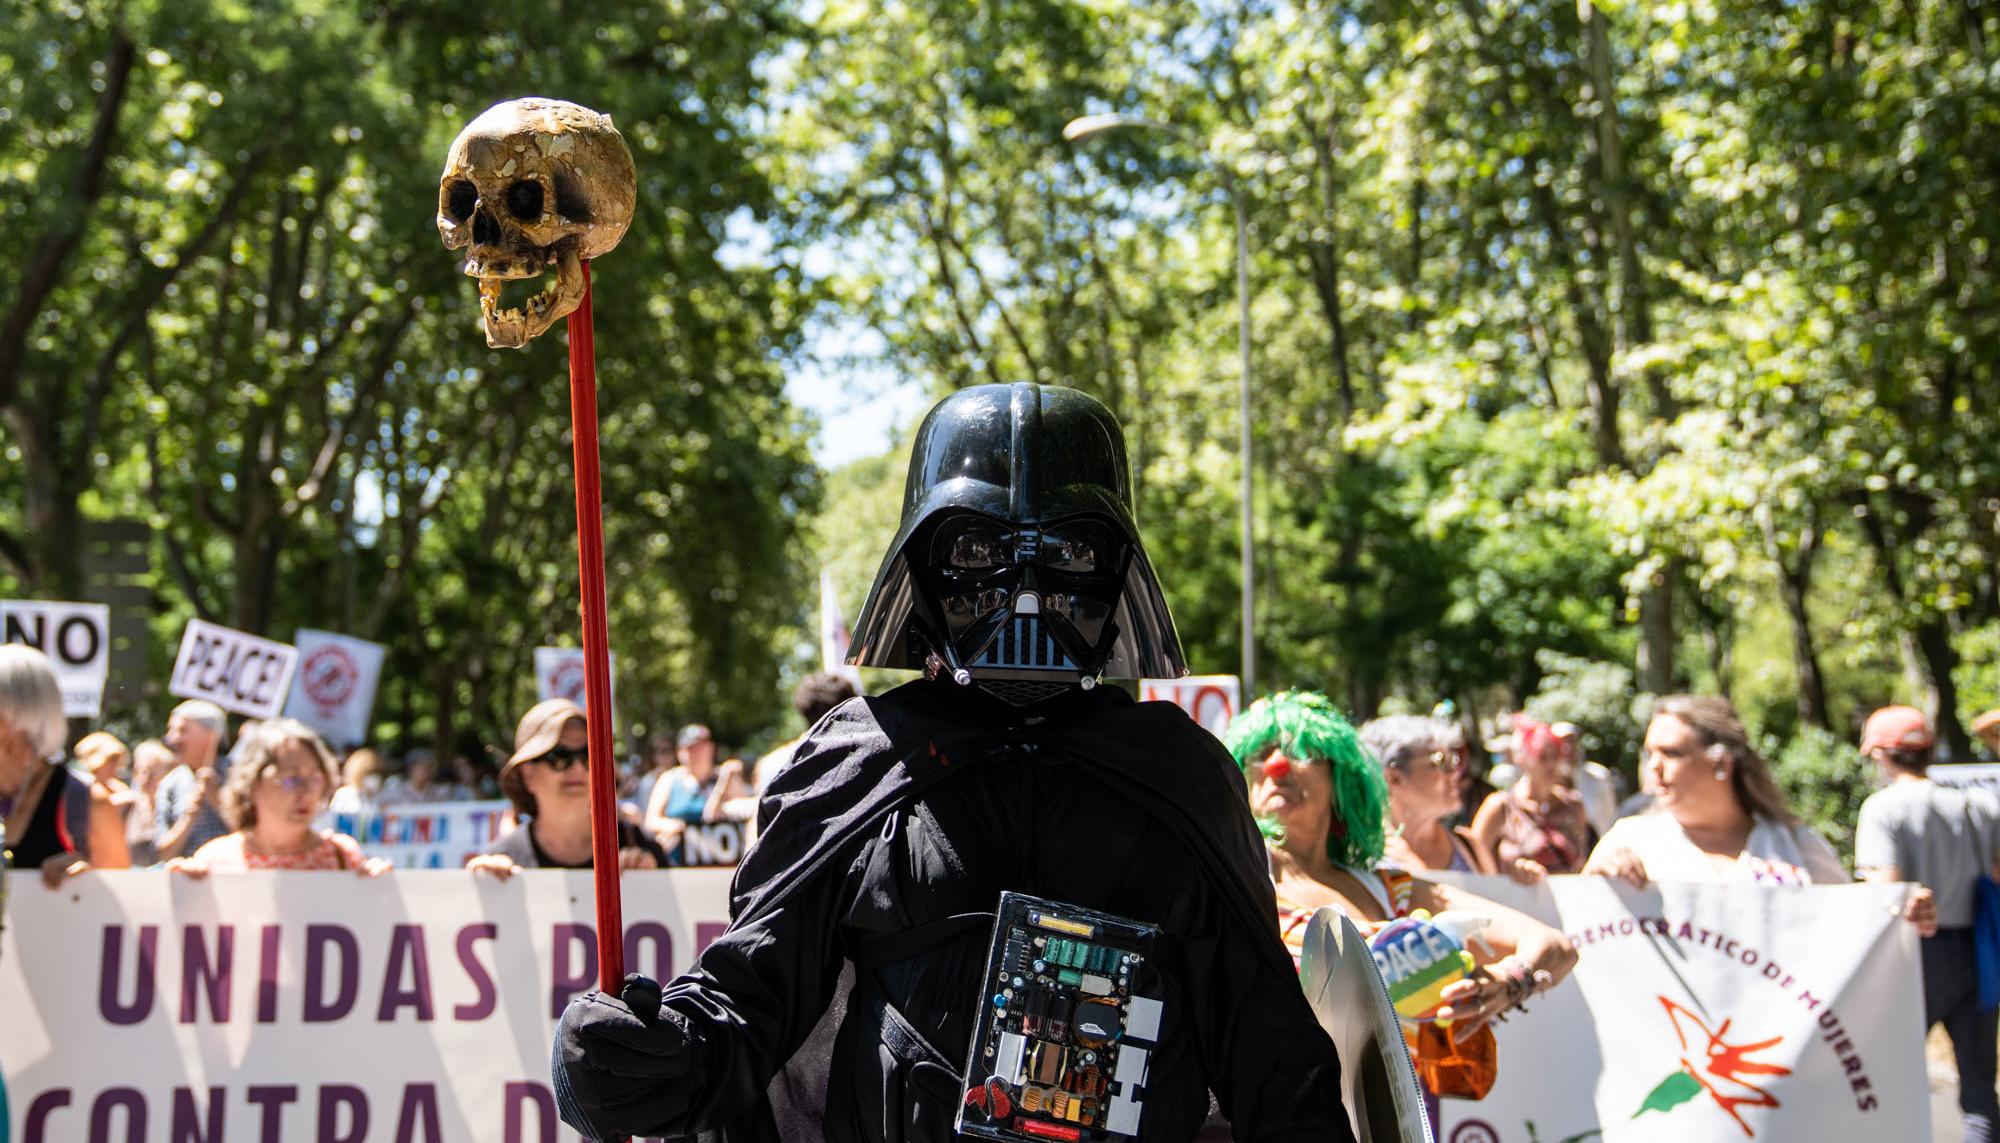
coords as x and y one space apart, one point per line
460 200
524 200
570 202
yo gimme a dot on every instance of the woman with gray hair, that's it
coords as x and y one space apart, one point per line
1420 764
57 821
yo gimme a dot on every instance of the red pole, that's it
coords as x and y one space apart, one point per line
596 649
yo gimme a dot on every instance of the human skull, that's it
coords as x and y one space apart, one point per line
533 184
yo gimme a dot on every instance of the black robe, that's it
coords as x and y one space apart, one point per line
904 809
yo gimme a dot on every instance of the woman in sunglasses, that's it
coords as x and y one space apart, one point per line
279 782
1421 765
548 780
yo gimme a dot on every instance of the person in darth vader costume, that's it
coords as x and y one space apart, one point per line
1016 582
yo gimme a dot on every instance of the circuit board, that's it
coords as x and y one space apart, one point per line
1066 1033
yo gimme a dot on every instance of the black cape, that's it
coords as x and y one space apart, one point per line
903 809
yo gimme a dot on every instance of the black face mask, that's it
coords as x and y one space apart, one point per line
1026 598
1017 562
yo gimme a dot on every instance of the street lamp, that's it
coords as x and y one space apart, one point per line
1088 127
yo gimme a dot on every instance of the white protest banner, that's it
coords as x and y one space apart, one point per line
439 835
559 674
334 689
1971 775
1718 1012
234 670
312 1007
77 639
1211 700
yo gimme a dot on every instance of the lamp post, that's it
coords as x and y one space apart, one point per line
1089 127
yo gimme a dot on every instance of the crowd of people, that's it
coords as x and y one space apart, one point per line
1355 817
196 800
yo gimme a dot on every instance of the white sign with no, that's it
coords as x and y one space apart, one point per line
1211 700
232 669
77 639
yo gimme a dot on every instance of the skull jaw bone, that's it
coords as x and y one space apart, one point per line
513 328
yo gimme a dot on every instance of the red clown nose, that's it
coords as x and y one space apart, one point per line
1277 766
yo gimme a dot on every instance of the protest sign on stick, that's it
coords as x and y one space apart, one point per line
77 639
1211 700
537 146
334 689
234 670
559 673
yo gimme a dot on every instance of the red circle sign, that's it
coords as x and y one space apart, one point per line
329 675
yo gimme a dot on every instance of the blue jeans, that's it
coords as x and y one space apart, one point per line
1951 997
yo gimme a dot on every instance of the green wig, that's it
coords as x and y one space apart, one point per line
1306 727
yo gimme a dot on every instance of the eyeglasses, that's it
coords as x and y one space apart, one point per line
563 757
309 783
1439 759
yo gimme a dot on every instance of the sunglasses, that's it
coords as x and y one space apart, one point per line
563 757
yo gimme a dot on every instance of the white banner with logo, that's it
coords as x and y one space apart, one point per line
333 690
77 639
559 674
1712 1012
413 1008
435 835
234 670
1211 700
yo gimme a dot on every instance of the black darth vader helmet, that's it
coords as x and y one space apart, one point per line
1017 563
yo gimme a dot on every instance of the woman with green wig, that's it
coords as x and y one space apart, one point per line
1321 801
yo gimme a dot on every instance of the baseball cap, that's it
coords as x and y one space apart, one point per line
692 733
541 728
1986 721
1565 730
1896 728
539 732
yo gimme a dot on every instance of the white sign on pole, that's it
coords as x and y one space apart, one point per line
1739 1012
77 639
410 1008
559 674
232 669
1211 700
334 689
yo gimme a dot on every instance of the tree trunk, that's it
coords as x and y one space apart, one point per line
1794 586
1928 656
1933 641
1656 633
52 533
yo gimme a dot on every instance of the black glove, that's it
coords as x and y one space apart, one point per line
617 1063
